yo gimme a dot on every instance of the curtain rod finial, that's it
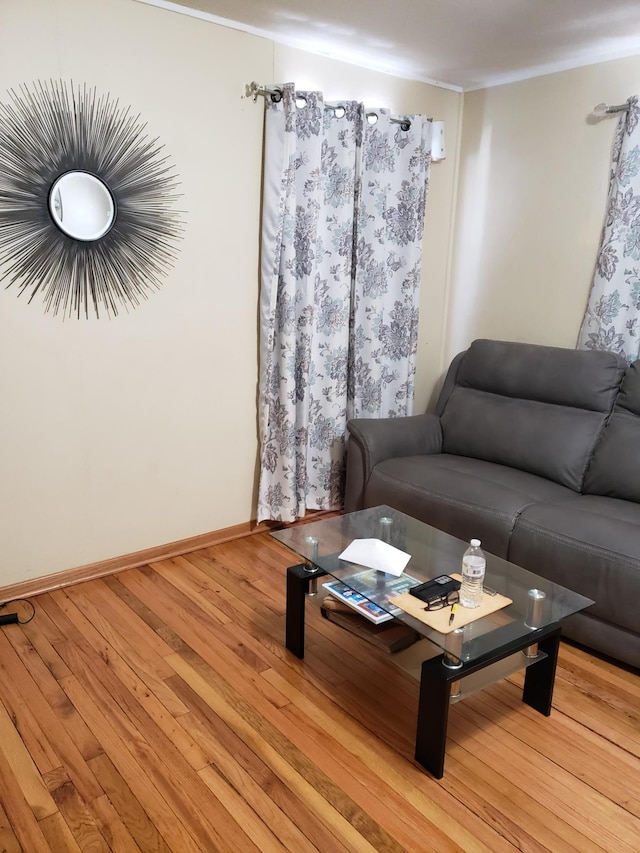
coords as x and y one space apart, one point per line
252 90
602 110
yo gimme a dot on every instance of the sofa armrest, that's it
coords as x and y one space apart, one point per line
371 440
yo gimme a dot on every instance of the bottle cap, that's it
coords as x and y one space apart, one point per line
475 543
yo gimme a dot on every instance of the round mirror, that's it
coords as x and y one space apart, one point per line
81 205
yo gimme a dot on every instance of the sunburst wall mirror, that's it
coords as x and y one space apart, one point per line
88 218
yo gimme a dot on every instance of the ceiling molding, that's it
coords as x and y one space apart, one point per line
596 58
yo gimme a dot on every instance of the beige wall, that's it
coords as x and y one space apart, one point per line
531 203
123 434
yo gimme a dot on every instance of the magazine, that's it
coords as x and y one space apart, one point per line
367 582
359 603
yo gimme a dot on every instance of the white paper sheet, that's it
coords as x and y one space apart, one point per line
376 554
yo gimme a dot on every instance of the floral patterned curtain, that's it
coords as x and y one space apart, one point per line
392 185
611 321
342 221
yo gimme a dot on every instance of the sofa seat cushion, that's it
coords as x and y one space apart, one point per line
460 495
587 543
607 637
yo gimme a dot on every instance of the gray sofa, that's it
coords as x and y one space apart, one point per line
536 451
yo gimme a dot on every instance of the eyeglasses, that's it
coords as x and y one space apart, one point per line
443 601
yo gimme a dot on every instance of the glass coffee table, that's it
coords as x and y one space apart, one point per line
523 634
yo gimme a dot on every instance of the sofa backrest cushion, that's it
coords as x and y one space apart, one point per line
540 409
614 470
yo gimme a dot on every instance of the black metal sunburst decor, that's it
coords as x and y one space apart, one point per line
54 128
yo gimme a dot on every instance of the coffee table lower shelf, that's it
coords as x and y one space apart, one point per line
491 674
440 686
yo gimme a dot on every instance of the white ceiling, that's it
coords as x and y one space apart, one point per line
460 44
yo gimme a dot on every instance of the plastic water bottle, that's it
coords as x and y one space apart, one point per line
474 565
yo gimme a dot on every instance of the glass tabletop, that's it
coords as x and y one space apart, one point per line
433 553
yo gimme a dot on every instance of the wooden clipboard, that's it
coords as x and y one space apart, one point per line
439 619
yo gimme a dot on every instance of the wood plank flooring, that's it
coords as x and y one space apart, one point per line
157 710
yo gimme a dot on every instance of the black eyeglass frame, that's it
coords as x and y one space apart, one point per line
443 601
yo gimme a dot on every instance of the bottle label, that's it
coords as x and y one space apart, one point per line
473 567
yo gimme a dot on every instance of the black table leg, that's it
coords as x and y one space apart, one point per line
539 677
298 579
433 715
435 694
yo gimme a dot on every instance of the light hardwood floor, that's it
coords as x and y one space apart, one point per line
157 710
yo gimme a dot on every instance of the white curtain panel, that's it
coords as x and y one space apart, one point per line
612 318
342 222
393 176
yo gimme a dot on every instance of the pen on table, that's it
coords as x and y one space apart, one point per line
453 612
